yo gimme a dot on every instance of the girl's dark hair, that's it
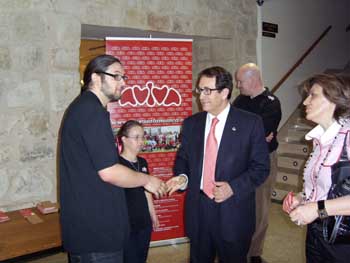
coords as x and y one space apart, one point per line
336 88
97 65
126 127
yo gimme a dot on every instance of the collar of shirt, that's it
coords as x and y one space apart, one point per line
323 136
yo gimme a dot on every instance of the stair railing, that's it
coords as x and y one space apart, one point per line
300 60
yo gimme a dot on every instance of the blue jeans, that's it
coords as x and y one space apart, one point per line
97 257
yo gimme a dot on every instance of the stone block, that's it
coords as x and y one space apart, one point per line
132 3
222 27
200 26
158 22
5 153
250 47
36 122
5 34
29 28
27 58
65 59
30 182
5 58
193 7
248 8
68 7
6 17
201 50
4 183
9 123
12 5
135 17
33 152
103 14
63 89
26 94
159 6
64 31
222 6
182 25
222 49
242 26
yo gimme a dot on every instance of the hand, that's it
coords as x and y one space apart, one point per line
175 183
269 137
291 201
222 191
304 214
156 186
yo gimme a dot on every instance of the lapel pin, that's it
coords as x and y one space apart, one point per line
233 128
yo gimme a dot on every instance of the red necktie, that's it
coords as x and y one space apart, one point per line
211 153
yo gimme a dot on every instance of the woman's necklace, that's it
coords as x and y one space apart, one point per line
314 182
135 165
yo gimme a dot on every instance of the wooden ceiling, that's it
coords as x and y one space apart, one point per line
88 50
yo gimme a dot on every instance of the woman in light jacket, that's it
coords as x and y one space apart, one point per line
328 105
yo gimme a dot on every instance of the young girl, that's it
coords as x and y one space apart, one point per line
140 204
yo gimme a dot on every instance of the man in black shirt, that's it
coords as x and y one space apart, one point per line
94 217
259 100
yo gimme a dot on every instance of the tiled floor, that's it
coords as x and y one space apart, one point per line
284 244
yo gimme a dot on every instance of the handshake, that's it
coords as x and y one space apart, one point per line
160 188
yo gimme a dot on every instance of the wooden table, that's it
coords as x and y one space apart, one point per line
18 237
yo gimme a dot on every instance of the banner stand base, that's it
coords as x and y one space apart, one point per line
168 242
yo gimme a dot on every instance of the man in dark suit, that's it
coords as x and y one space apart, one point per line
259 100
220 221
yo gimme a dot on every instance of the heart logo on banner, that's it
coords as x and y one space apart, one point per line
173 98
159 94
127 97
141 94
150 95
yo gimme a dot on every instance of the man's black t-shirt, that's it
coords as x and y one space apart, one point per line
93 213
268 107
139 216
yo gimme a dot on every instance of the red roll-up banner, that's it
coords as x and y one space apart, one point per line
159 95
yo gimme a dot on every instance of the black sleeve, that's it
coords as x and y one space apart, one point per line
271 115
98 138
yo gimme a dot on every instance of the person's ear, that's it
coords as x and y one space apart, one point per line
96 79
122 139
225 93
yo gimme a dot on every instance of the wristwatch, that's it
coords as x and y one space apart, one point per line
322 213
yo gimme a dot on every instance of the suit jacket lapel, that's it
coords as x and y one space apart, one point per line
229 137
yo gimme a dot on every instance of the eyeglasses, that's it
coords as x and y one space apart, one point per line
205 91
137 138
117 77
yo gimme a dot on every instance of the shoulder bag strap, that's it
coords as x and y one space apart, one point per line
344 154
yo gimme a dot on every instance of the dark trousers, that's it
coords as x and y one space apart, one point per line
209 243
319 251
136 250
100 257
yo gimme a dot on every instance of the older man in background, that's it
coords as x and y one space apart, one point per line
259 100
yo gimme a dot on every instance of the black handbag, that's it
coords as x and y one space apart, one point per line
336 229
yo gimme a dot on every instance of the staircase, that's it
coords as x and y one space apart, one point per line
292 154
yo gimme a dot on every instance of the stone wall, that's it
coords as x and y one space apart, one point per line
39 70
